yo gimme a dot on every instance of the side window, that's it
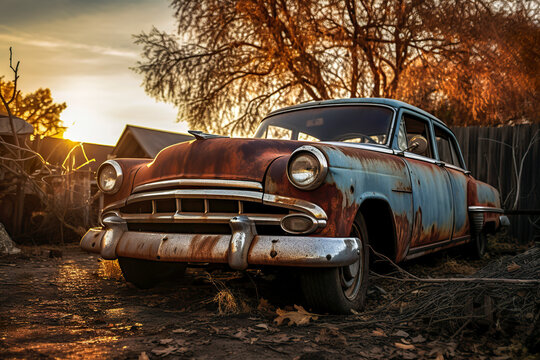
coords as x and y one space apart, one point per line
410 129
446 147
402 136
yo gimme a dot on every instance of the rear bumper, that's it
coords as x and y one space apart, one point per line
241 249
504 221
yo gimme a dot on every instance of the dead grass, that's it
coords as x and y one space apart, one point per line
227 302
110 269
453 266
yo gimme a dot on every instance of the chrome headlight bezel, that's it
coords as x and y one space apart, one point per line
119 176
308 150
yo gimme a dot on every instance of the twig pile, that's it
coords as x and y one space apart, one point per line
504 294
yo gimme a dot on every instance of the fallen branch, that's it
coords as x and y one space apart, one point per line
463 280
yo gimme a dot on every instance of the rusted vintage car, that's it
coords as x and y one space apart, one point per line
319 184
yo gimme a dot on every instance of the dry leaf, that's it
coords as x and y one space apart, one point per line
404 346
418 339
279 338
240 335
439 357
143 356
164 352
378 332
298 317
262 326
401 333
184 331
513 267
330 336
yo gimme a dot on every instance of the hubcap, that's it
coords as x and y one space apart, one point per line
351 275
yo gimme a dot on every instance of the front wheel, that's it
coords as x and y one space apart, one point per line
340 290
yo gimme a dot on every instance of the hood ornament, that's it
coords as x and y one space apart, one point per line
199 135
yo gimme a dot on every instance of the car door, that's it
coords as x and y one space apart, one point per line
449 153
431 187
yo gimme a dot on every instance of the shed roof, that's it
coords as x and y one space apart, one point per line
21 126
137 141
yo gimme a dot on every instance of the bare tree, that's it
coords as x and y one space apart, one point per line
19 161
232 61
7 100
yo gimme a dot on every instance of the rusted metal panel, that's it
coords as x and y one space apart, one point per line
354 176
174 247
482 194
91 241
459 181
232 159
376 175
328 197
129 168
433 203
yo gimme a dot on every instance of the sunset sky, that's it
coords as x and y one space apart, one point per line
82 50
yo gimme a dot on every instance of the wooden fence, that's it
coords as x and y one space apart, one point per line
508 158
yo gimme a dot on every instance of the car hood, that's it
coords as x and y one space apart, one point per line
218 158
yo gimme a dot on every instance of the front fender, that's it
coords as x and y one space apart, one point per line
129 169
354 176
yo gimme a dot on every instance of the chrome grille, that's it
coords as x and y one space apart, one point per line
199 206
202 206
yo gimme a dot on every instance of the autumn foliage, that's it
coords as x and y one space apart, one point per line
230 62
38 108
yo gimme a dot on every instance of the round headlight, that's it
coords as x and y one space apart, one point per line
307 168
109 177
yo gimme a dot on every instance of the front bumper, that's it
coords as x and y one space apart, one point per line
240 249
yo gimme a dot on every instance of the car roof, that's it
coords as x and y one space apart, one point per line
351 101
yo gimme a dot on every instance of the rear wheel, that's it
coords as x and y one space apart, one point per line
340 290
477 248
145 274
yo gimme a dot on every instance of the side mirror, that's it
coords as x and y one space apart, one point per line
417 144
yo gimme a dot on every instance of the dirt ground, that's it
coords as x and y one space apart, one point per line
59 304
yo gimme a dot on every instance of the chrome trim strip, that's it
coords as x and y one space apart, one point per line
199 182
295 204
421 250
410 155
485 209
114 205
382 148
176 218
457 168
197 193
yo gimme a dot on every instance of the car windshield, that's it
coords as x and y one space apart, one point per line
350 123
